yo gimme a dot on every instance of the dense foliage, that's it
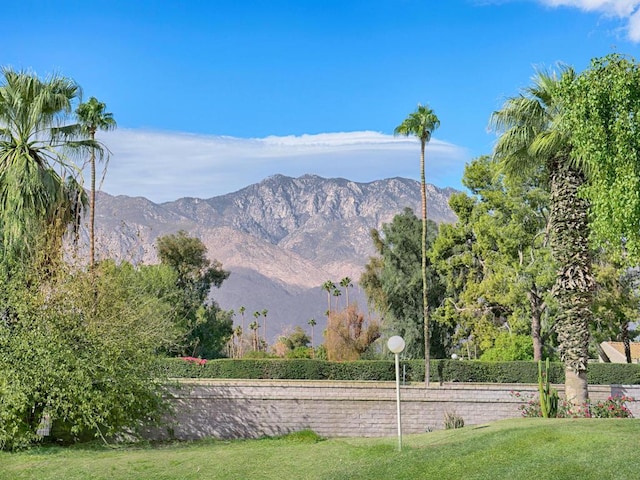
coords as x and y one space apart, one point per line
495 265
79 351
383 370
206 328
392 281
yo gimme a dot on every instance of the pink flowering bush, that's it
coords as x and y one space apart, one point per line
195 361
612 407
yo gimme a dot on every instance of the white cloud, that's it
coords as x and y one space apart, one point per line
625 9
164 166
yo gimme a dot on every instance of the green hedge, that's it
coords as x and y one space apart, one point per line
383 370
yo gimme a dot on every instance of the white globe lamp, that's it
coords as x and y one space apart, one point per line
396 345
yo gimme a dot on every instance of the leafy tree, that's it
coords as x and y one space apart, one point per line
602 117
421 124
495 261
347 335
509 347
616 303
298 338
39 194
392 281
206 327
293 345
93 117
532 137
90 368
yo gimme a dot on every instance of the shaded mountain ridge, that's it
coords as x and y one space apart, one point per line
280 235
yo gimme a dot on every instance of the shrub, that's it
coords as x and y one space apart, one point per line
82 355
613 407
452 420
383 370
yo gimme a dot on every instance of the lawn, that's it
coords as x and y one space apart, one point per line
512 449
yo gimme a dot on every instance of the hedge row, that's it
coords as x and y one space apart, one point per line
411 371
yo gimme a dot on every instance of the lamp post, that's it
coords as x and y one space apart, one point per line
396 346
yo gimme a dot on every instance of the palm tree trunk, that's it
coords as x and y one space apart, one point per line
92 208
574 282
425 300
536 305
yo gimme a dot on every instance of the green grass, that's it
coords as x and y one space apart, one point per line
512 449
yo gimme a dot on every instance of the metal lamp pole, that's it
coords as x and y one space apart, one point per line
396 346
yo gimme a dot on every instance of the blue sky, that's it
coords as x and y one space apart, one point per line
211 96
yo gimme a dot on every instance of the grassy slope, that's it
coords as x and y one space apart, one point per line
512 449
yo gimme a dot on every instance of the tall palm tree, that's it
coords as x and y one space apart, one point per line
532 138
264 327
346 283
336 293
312 323
91 118
329 286
254 339
242 310
39 194
421 124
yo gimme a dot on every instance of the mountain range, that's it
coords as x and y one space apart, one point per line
281 238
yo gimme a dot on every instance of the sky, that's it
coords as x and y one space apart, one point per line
211 96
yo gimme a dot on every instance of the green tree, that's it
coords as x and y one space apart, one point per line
532 137
92 117
421 124
89 367
601 114
206 327
392 281
495 262
616 304
39 194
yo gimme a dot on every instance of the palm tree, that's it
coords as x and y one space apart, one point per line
256 315
254 327
329 286
264 327
91 118
421 124
242 310
346 283
532 138
312 323
39 194
336 293
237 350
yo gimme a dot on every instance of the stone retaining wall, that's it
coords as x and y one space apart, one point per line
255 408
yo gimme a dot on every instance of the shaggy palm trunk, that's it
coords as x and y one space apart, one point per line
574 282
425 300
537 307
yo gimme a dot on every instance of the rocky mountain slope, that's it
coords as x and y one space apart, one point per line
280 238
